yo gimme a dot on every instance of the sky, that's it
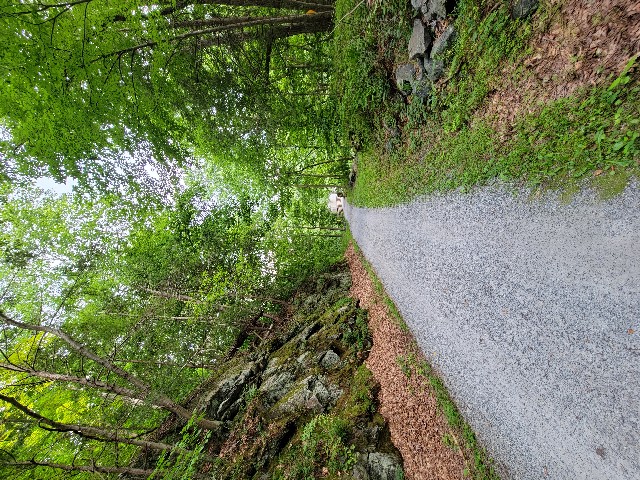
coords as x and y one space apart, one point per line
48 183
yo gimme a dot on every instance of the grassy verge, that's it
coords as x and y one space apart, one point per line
409 149
460 436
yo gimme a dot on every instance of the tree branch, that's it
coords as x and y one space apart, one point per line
136 472
90 432
145 391
283 4
292 21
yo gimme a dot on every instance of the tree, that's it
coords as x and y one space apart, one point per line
141 390
89 432
95 90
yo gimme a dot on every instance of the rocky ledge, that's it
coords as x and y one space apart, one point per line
300 403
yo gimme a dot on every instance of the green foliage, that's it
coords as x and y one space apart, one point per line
484 44
404 365
566 141
185 464
438 149
365 42
361 397
125 93
449 441
322 445
358 333
159 292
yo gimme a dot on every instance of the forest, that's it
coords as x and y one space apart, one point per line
164 173
198 141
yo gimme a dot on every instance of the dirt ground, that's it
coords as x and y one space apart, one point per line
587 43
407 403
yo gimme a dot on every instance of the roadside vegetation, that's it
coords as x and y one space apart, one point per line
407 147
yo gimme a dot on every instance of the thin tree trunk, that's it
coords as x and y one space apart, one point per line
283 4
309 175
136 472
322 228
289 23
313 185
145 390
168 364
320 235
321 163
90 432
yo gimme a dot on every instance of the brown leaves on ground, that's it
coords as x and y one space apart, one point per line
586 43
407 403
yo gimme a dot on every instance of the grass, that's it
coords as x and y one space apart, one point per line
570 140
594 134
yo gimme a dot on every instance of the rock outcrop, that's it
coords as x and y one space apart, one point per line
301 404
432 37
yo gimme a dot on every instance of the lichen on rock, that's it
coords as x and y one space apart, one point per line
301 404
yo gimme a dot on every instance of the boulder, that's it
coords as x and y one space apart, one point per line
330 359
224 399
433 69
309 394
444 42
422 90
383 466
523 8
276 386
434 10
359 471
272 367
405 77
420 40
303 359
417 4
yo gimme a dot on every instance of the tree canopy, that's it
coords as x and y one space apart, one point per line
200 137
93 89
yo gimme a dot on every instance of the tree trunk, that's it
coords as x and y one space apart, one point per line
317 5
314 185
143 391
322 228
136 472
169 364
284 26
309 175
90 432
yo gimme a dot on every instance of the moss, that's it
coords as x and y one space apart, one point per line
361 396
611 184
287 351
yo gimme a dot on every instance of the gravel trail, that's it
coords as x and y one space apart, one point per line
530 310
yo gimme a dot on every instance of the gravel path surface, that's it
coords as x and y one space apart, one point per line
530 310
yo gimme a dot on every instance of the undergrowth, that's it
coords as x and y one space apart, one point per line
361 60
406 148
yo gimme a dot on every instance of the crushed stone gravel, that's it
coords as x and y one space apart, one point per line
530 310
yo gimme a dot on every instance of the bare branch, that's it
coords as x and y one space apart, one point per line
136 472
289 22
90 432
143 392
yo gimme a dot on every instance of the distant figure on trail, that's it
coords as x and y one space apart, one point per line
335 203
